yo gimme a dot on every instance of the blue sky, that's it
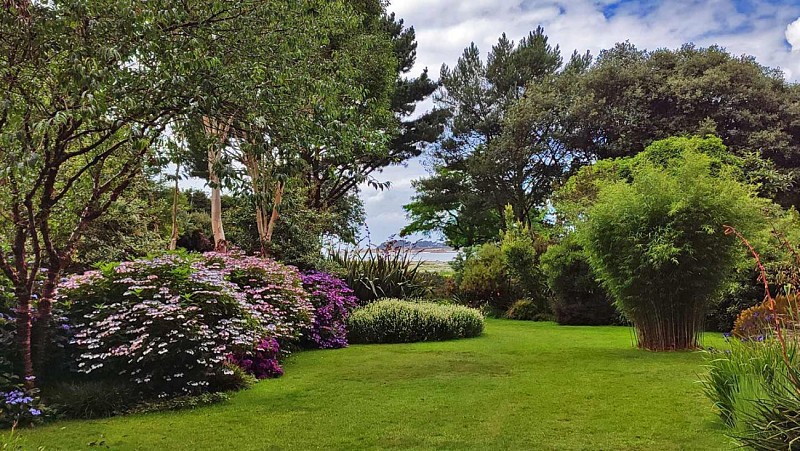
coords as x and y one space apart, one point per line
769 30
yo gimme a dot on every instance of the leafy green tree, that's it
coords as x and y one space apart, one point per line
635 97
656 239
88 88
503 144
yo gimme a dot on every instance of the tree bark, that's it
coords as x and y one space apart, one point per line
219 130
24 333
279 187
44 318
173 238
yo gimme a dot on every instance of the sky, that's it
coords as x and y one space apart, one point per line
768 30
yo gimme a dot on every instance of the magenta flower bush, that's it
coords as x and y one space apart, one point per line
333 301
263 362
165 326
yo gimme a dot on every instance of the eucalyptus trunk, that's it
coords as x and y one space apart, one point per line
218 130
173 238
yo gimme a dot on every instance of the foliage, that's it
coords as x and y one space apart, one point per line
91 398
578 298
373 274
333 301
159 323
756 398
486 280
528 310
522 250
262 361
649 238
638 97
21 407
485 161
273 290
397 321
8 352
759 320
180 403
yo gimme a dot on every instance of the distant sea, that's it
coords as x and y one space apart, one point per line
435 256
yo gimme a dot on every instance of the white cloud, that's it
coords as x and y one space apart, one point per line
793 35
445 27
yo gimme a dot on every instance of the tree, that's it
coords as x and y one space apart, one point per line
655 238
88 90
635 97
504 143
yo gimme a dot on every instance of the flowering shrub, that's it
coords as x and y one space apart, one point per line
159 323
274 291
396 321
758 321
19 407
262 362
333 301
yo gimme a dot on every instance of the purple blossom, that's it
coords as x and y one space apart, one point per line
333 301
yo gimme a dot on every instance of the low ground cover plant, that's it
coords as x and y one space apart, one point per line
399 321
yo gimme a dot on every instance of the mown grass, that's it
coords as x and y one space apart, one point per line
521 385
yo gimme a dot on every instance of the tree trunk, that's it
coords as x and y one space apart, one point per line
173 238
23 296
279 187
218 130
44 319
261 221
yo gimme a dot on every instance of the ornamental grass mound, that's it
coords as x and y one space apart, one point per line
398 321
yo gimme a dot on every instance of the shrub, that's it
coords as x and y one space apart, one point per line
263 362
396 321
91 398
375 274
160 323
333 301
274 291
234 378
759 320
20 407
528 310
657 242
485 279
522 251
578 298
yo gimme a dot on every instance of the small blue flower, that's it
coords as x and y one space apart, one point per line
35 412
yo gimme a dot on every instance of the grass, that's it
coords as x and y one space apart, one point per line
521 385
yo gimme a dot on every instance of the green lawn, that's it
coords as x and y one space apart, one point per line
520 386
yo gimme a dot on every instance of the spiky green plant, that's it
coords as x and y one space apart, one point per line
375 274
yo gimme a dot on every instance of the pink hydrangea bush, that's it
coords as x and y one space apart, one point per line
160 323
273 290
